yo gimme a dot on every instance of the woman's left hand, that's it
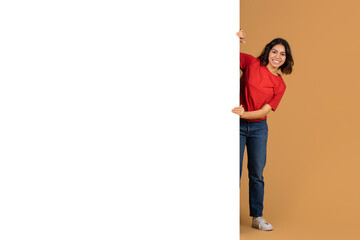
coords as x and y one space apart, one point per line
238 110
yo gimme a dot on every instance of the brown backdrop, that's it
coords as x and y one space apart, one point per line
311 176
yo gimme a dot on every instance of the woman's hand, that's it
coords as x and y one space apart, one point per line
241 35
257 114
238 110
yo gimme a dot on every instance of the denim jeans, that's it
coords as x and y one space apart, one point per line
254 135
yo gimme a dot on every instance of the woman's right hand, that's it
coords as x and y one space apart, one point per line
241 35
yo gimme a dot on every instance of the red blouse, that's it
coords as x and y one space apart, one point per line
258 85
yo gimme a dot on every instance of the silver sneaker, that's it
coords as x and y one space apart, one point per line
261 223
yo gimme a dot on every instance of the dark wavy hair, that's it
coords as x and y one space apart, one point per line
286 68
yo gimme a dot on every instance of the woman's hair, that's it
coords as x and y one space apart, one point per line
286 68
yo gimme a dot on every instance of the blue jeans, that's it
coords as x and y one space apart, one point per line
254 135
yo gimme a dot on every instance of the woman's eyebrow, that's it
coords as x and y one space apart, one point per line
276 51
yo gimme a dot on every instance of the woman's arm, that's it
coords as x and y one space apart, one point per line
258 114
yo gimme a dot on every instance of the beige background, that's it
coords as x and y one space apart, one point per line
312 172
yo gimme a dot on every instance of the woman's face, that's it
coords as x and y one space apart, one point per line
277 56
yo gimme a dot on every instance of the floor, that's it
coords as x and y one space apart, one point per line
296 223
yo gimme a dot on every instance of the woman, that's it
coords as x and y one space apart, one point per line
261 90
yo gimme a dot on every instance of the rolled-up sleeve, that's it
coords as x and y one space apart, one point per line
275 100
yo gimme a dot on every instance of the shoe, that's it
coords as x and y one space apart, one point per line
261 223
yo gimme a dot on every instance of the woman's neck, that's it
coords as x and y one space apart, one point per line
272 70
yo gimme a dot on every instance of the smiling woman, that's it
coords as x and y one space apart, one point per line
277 55
261 90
